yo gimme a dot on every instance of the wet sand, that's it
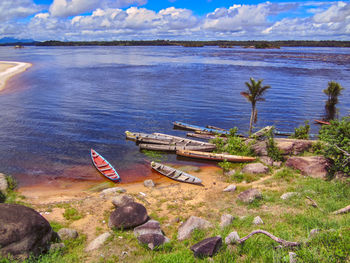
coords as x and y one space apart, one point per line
9 69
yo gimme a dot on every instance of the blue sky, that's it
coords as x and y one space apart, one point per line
175 19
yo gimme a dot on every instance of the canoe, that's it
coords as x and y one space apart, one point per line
262 132
104 167
175 174
201 136
322 122
215 156
181 139
186 126
134 136
174 148
215 128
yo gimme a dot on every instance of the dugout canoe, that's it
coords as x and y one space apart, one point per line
322 122
191 127
134 136
175 174
174 148
104 167
181 139
215 156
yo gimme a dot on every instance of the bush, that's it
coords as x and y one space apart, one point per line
302 132
337 144
272 150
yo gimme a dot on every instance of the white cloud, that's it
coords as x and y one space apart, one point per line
14 9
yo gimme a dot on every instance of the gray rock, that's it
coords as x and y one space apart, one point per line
230 172
152 240
67 233
149 183
293 258
121 200
288 195
226 220
23 231
230 188
258 221
292 146
207 247
250 195
255 168
314 232
150 227
56 246
232 238
190 225
98 242
259 147
266 160
128 216
277 164
313 166
3 183
113 190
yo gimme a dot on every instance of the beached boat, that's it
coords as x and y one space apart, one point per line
201 136
215 156
175 174
181 139
174 148
134 136
104 167
186 126
215 128
322 122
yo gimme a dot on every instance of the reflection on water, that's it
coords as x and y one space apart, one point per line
77 98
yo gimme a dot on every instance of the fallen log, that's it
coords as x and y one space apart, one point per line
342 211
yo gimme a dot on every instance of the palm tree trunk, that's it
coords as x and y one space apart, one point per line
252 115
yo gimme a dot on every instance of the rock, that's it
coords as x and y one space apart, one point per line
3 183
266 160
293 257
292 146
67 233
259 148
255 168
277 164
152 240
128 216
288 195
98 242
150 227
191 224
226 220
56 246
149 183
207 247
113 190
230 188
23 231
314 232
258 221
250 195
313 166
230 172
121 200
232 238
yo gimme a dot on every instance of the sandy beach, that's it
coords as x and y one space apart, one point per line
10 68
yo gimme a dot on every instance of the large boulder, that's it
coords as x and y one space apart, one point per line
259 147
313 166
190 225
255 168
128 216
292 146
250 195
207 247
23 231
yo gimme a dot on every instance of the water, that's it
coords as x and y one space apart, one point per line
76 98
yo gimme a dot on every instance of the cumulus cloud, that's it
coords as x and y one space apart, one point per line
14 9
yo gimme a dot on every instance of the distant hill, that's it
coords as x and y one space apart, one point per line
10 40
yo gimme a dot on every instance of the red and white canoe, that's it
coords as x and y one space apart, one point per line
322 122
104 167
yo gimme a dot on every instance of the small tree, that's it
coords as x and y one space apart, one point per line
333 90
254 94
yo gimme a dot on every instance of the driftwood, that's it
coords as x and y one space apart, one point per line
342 211
284 243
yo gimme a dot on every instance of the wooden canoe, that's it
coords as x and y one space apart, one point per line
175 174
104 167
215 156
181 139
134 136
215 128
201 136
322 122
174 148
186 126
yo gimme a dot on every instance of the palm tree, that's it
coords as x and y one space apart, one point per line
333 90
254 94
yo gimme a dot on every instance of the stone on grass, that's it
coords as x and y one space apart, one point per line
23 231
313 166
230 188
259 147
232 238
226 220
314 232
153 240
150 227
258 221
190 225
149 183
56 246
128 216
111 191
207 247
250 195
266 160
255 168
288 195
67 233
121 200
293 257
98 242
230 172
3 183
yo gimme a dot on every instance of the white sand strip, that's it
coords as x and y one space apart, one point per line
11 68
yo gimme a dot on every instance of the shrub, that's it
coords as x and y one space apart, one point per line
272 150
302 132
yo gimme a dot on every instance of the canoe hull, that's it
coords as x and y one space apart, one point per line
215 156
174 148
104 167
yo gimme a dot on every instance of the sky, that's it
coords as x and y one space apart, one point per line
104 20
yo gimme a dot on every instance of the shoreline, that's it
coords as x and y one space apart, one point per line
9 69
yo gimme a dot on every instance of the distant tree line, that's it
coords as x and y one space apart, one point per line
220 43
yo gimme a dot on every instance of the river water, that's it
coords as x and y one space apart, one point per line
76 98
